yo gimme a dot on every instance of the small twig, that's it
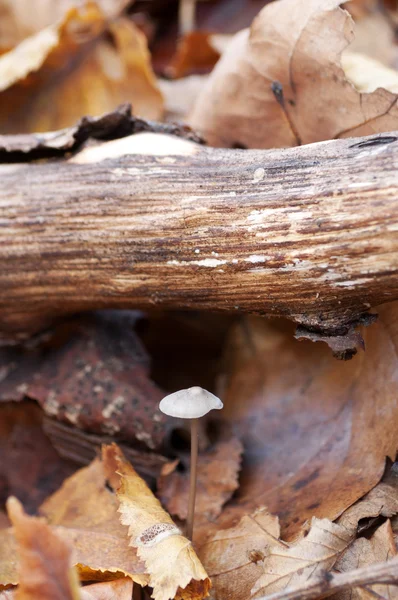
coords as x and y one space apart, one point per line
330 583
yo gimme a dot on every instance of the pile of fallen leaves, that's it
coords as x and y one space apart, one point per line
297 486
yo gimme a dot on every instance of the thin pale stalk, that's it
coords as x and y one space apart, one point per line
192 483
186 16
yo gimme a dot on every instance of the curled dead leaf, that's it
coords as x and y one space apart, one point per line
233 556
217 479
363 553
46 567
79 66
281 83
171 562
305 418
316 552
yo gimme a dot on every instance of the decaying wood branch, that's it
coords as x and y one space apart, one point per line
309 233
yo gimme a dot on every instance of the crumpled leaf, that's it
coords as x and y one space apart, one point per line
79 66
233 556
120 589
305 418
217 479
30 467
171 562
46 568
22 18
281 83
314 553
195 54
382 500
365 552
368 74
85 513
96 377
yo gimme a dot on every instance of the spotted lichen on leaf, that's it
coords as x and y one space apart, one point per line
171 562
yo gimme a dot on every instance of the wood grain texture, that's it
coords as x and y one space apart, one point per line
308 233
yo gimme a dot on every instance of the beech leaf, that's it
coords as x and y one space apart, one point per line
363 553
282 84
46 566
170 559
316 552
233 556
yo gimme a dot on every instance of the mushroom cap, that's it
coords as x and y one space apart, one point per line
191 403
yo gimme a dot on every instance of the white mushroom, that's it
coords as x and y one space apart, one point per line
193 403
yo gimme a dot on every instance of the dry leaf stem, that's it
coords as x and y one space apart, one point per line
330 583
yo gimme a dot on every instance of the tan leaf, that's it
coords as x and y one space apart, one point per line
281 83
85 513
120 589
314 553
217 479
8 558
170 559
368 74
233 556
305 418
46 568
381 500
195 53
75 68
20 19
363 553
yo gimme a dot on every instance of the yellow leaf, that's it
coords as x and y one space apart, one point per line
170 559
77 67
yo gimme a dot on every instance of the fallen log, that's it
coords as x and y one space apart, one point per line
151 220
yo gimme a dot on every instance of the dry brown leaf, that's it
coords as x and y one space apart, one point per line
120 589
20 19
30 468
85 513
8 558
310 556
195 53
368 74
374 36
382 500
217 479
73 68
170 559
281 84
233 556
45 561
305 418
363 553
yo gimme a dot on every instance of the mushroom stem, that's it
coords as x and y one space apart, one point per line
186 16
192 483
